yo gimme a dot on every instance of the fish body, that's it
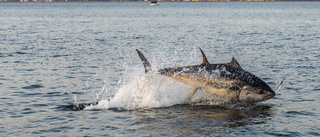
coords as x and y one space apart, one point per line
228 80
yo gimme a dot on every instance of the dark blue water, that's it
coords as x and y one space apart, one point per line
55 55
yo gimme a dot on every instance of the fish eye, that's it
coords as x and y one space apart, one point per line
261 92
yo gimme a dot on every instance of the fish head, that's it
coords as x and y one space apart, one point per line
250 94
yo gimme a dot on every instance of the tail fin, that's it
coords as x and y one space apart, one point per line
146 64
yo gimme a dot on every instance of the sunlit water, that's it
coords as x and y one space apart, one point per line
56 57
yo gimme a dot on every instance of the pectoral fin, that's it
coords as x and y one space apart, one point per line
192 91
280 85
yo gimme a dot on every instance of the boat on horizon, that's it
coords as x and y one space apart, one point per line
154 3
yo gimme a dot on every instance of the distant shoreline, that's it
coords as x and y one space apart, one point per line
150 0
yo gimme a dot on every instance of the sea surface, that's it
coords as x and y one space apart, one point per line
71 69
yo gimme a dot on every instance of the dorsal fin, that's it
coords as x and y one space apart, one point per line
146 64
234 63
204 58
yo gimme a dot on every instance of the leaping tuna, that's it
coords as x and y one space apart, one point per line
228 80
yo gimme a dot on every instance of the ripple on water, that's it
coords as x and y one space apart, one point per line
51 94
314 133
316 89
33 94
27 111
32 87
112 127
285 133
40 105
299 113
57 129
21 53
56 56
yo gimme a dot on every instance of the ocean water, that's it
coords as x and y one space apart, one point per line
57 58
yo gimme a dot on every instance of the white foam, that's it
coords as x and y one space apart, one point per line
147 91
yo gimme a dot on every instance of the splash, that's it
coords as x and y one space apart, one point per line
147 91
152 90
137 90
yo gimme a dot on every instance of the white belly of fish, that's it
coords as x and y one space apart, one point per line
216 86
